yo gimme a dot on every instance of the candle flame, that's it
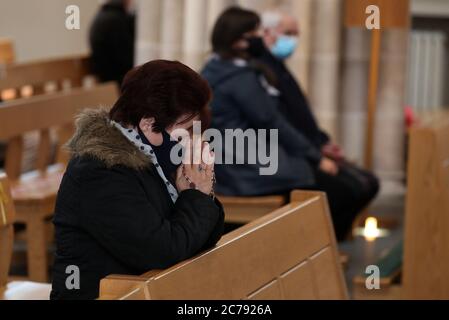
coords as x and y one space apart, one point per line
8 94
371 231
26 91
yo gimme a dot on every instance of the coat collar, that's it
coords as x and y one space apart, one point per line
95 136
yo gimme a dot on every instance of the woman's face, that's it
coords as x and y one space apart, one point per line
185 123
243 44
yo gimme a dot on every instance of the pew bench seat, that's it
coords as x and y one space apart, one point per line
242 210
34 195
37 186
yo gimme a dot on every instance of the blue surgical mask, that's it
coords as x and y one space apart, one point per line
284 47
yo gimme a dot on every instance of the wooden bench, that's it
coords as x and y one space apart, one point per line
241 210
288 254
32 78
23 80
418 268
426 246
35 193
14 290
7 54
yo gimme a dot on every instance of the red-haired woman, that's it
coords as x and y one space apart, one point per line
124 207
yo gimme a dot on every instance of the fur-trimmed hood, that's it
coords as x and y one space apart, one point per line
95 136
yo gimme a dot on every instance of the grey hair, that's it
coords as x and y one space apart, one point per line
271 19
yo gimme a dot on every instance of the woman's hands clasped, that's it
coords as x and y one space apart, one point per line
194 175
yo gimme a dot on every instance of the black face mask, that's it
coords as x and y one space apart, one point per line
256 47
163 153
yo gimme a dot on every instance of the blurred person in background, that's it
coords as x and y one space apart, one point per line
281 37
247 95
111 39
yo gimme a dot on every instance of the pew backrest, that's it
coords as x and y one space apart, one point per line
7 54
288 254
42 113
7 214
67 71
426 251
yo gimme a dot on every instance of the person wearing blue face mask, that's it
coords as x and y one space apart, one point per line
281 35
285 46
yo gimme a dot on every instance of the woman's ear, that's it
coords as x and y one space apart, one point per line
146 125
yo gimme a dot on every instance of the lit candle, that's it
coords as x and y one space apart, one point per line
8 94
26 91
371 231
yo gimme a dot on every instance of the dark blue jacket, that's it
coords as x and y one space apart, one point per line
242 101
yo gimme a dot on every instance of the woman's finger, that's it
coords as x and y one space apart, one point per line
206 154
187 161
210 167
197 161
179 172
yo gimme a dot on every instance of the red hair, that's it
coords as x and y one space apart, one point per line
163 90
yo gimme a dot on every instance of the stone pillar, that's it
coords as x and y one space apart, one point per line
354 102
325 60
389 136
299 63
172 29
148 30
195 33
215 8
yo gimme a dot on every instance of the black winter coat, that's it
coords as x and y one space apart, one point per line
111 40
114 214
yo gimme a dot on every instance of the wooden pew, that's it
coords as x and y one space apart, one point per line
426 250
34 193
241 210
23 80
288 254
35 75
14 290
418 270
7 54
